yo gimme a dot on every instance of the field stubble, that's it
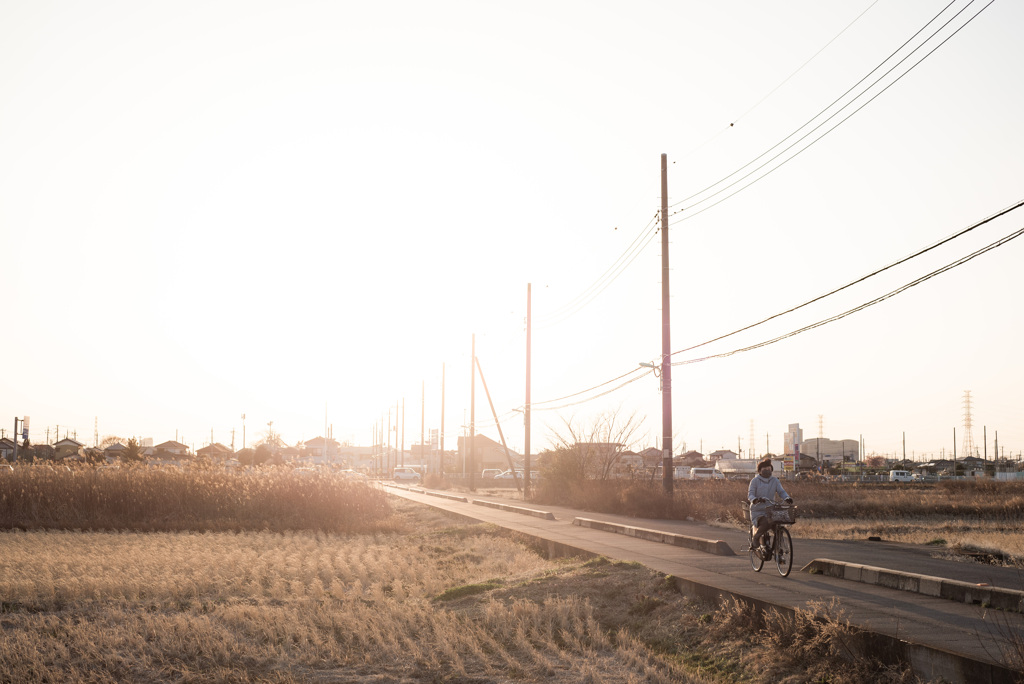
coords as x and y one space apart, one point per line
422 599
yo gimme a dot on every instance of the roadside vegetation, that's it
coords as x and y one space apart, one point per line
972 516
194 499
422 598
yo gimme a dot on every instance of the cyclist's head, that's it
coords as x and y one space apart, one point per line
766 463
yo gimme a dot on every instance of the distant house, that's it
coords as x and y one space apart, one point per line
67 448
114 452
489 454
320 451
215 452
630 462
6 449
171 448
722 454
690 458
652 457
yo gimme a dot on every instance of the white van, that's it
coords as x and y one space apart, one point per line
900 476
706 474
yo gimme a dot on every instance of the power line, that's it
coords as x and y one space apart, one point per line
801 67
825 121
647 234
644 238
959 262
644 371
905 259
773 90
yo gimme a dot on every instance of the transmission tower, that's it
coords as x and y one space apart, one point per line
968 448
750 449
821 426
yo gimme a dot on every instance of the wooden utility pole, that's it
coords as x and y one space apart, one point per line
526 408
666 340
440 436
423 419
472 415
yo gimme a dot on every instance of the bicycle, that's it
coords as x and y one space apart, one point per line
776 540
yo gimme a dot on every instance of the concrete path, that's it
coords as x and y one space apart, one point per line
933 613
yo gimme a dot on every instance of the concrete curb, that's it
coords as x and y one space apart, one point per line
938 587
715 546
547 515
453 497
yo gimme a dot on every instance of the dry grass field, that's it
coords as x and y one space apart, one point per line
411 597
200 576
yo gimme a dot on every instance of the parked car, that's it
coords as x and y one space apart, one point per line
405 474
899 476
509 475
490 473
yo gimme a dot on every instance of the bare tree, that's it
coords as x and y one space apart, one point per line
593 450
110 440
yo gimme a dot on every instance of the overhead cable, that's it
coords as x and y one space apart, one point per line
959 262
644 238
825 121
905 259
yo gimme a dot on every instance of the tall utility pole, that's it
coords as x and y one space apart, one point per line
472 415
440 436
423 420
526 408
666 340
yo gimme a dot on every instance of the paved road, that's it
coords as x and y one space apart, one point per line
942 639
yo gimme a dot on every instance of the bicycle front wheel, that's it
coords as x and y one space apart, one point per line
783 551
756 561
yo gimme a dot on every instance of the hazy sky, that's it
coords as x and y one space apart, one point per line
303 211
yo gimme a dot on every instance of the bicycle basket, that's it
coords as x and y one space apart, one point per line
781 514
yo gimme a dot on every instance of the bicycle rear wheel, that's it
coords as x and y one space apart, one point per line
756 562
783 551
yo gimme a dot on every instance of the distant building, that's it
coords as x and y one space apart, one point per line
831 451
722 454
114 452
67 447
489 454
320 451
170 448
793 440
652 456
215 452
690 458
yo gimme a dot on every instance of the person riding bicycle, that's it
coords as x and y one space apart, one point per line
763 488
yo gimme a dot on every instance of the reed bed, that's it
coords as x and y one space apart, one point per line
195 499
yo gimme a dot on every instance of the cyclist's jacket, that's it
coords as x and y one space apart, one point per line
763 487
